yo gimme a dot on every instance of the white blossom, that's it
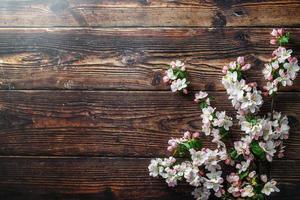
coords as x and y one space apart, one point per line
198 157
282 54
177 65
269 148
192 176
178 85
200 95
270 187
214 180
247 191
222 120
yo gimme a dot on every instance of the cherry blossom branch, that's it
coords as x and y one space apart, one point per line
263 136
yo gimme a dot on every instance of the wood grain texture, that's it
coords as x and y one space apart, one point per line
111 123
148 13
106 178
60 141
128 59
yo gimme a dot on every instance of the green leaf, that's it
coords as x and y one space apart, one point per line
196 144
187 145
184 147
243 175
253 122
224 133
203 104
180 74
284 39
239 75
233 154
257 150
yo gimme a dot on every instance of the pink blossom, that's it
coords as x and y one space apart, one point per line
170 148
270 78
293 60
187 135
225 69
196 135
166 79
274 33
273 41
246 67
241 60
280 31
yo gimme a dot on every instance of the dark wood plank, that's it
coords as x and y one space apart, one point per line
146 13
106 178
127 59
286 172
111 123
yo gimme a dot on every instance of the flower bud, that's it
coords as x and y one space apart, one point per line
170 148
280 31
274 33
270 78
241 60
225 69
264 178
273 41
252 174
196 135
246 67
166 79
187 135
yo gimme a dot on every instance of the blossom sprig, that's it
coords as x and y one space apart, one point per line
245 97
264 136
283 67
177 77
181 146
251 186
202 169
280 37
214 123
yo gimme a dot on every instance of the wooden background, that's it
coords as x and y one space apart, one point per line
82 105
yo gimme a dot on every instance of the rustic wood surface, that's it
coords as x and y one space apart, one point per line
107 123
128 59
82 104
148 13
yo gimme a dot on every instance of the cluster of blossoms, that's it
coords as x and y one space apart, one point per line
264 135
203 169
244 97
283 67
176 76
262 139
214 123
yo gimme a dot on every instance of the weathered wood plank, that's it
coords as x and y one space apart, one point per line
111 123
106 178
146 13
127 59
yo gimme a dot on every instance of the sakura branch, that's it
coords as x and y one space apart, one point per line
176 76
262 138
283 67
